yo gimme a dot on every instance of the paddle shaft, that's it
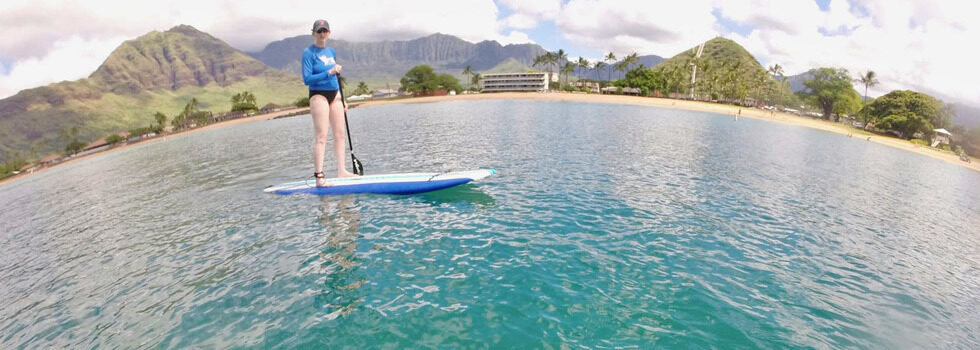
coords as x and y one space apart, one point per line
343 100
355 163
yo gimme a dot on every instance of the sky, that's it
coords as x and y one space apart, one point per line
918 45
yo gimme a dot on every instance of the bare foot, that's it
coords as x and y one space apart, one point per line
346 173
321 181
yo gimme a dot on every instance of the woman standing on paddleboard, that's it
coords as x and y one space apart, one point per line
320 70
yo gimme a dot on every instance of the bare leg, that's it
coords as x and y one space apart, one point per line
321 124
339 136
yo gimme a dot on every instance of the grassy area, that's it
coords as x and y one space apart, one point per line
112 113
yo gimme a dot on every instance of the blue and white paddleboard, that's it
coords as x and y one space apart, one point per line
408 183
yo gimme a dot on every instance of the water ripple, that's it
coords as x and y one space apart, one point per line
606 227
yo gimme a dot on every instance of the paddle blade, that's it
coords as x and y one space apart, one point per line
356 163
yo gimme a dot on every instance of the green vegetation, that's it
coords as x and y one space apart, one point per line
74 147
192 114
161 119
646 80
610 58
302 102
869 79
508 65
157 72
114 139
243 102
423 79
907 112
831 90
969 140
362 89
8 168
468 71
725 71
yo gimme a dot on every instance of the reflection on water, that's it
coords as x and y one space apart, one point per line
607 227
339 263
467 193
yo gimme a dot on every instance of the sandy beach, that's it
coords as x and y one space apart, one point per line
760 114
754 113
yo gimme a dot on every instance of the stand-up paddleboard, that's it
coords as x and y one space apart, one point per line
408 183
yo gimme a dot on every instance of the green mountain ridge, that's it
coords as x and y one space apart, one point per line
386 62
159 71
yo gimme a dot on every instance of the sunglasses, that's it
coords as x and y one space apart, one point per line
322 31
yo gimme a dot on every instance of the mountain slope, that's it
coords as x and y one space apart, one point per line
724 68
159 71
383 62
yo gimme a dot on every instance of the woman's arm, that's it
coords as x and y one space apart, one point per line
309 78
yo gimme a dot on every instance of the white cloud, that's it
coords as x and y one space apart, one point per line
537 9
911 44
922 46
520 21
514 37
68 59
43 27
644 27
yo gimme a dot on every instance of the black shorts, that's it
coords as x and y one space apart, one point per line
329 94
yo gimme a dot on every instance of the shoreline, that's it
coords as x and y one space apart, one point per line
729 110
754 113
254 118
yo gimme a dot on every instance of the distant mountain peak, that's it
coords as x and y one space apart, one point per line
141 76
181 56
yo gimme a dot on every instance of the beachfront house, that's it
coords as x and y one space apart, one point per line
501 82
27 168
626 90
271 107
590 86
942 137
49 160
384 93
95 146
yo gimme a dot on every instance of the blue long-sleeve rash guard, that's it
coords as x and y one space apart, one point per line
316 63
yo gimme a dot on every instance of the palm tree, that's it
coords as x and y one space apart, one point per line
598 67
361 89
869 80
468 71
620 67
476 79
583 63
776 71
560 58
547 59
630 60
612 58
539 60
568 68
161 119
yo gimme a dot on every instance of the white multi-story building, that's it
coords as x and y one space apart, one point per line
498 82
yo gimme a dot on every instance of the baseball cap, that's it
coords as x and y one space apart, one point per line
321 24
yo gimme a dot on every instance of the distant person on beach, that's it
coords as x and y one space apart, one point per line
320 71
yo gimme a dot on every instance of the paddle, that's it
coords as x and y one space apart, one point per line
356 163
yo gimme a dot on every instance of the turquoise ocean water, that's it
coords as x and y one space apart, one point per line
606 226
